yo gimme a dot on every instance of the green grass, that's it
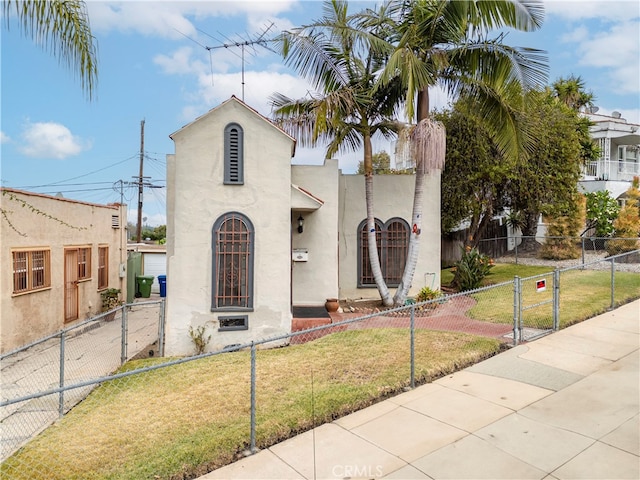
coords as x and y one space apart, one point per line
185 420
583 294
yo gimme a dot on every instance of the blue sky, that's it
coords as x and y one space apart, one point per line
54 140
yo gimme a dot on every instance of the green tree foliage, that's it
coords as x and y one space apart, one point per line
364 65
448 43
475 176
340 54
563 231
381 163
62 27
602 210
545 180
627 225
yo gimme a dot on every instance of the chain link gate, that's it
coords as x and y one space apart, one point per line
536 306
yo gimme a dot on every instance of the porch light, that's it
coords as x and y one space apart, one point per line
300 224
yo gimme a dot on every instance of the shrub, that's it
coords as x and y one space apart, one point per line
199 339
471 269
426 294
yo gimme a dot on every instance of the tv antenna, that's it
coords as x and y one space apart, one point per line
249 42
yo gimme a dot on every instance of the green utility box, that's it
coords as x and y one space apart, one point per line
144 285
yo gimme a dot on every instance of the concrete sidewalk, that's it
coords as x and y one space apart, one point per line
563 407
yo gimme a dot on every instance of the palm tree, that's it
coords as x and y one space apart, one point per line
445 43
341 59
63 26
571 92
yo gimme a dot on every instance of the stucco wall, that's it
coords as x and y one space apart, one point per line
197 197
30 316
393 197
317 279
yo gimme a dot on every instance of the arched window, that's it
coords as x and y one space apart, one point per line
232 244
233 154
392 239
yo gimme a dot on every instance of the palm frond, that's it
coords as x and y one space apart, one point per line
62 27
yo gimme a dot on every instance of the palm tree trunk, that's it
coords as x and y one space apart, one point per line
374 258
429 144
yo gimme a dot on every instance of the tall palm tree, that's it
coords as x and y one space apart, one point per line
571 91
342 59
446 43
63 27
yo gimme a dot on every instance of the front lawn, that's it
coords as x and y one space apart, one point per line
187 419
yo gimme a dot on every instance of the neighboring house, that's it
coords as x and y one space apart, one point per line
249 236
57 255
619 161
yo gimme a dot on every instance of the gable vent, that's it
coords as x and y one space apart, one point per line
115 221
233 155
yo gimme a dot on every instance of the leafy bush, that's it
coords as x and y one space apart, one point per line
471 269
426 294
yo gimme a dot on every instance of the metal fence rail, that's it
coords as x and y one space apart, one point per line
244 381
88 350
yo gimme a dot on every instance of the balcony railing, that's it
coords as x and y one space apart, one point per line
611 170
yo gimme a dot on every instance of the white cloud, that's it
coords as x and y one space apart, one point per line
152 220
4 138
258 86
180 62
615 50
606 10
170 19
50 140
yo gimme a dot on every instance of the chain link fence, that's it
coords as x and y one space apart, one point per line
181 418
538 249
90 349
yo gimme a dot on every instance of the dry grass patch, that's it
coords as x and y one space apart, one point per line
184 420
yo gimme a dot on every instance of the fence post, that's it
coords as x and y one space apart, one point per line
516 308
412 347
516 248
253 398
613 282
583 252
124 334
161 327
556 299
61 383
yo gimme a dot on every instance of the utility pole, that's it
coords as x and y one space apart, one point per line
140 186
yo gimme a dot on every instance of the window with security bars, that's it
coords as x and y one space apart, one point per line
233 263
31 270
233 154
103 267
392 240
84 263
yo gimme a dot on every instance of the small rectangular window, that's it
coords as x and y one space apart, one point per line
84 263
31 270
103 267
239 322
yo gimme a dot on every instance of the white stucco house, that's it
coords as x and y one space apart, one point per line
250 236
619 161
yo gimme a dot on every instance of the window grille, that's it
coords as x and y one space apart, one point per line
233 263
392 240
233 323
31 270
